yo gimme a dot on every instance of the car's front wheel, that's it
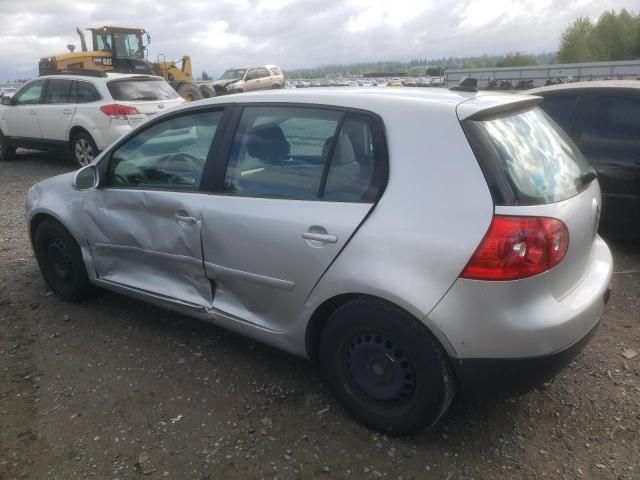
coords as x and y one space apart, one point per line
83 149
60 261
385 367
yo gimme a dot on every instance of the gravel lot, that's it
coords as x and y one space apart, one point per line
113 388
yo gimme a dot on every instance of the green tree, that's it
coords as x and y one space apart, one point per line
205 76
576 42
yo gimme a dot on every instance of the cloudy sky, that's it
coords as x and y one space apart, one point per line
294 33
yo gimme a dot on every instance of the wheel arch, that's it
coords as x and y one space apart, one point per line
323 312
76 129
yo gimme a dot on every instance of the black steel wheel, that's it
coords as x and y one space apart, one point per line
385 367
60 261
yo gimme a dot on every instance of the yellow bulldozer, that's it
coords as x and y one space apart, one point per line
125 50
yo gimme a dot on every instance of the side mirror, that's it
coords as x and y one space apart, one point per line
6 100
86 178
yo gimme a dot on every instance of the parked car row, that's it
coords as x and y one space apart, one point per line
80 113
8 92
326 224
368 82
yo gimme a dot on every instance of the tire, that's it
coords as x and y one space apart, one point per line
60 261
189 92
385 368
83 149
275 86
6 151
206 92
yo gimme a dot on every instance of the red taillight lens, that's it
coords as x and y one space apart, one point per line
118 111
518 247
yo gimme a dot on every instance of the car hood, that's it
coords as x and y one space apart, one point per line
224 83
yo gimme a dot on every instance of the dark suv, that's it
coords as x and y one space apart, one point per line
603 119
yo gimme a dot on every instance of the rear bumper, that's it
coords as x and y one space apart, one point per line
490 378
522 318
106 136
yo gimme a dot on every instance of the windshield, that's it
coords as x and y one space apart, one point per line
233 74
128 44
541 164
141 90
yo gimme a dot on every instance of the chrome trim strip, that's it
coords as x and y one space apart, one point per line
99 248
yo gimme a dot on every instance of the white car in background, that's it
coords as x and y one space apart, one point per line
81 113
8 92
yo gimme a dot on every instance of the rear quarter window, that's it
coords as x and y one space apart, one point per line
141 90
527 159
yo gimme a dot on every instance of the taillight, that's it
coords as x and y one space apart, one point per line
518 247
118 111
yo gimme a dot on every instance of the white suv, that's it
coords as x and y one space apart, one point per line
80 112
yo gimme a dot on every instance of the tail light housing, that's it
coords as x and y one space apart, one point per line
118 111
518 247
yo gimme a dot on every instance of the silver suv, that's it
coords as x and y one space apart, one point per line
413 244
246 79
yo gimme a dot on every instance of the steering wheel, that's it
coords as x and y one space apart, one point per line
193 166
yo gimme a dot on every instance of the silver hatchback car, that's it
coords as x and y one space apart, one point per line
413 244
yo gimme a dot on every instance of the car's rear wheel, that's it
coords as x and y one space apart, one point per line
275 86
60 261
385 367
6 151
83 149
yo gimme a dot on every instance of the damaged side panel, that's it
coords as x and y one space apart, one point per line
150 241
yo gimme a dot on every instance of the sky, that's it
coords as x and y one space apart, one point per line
219 34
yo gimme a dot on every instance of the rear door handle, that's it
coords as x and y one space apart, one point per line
32 112
185 219
67 111
320 237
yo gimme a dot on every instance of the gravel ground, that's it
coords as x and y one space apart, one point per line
113 388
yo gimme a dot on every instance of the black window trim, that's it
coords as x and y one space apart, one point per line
213 172
215 185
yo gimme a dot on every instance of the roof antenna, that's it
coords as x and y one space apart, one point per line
469 84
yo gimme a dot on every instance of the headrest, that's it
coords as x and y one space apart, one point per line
344 150
268 143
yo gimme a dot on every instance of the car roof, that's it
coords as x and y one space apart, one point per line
109 76
594 85
375 98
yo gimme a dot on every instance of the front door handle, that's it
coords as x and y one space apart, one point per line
67 111
320 237
32 112
185 219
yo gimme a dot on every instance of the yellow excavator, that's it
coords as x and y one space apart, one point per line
124 50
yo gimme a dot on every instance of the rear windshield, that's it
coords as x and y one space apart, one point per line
131 90
528 159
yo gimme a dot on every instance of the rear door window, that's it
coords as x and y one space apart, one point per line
131 90
527 154
86 92
305 153
560 108
58 91
611 130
